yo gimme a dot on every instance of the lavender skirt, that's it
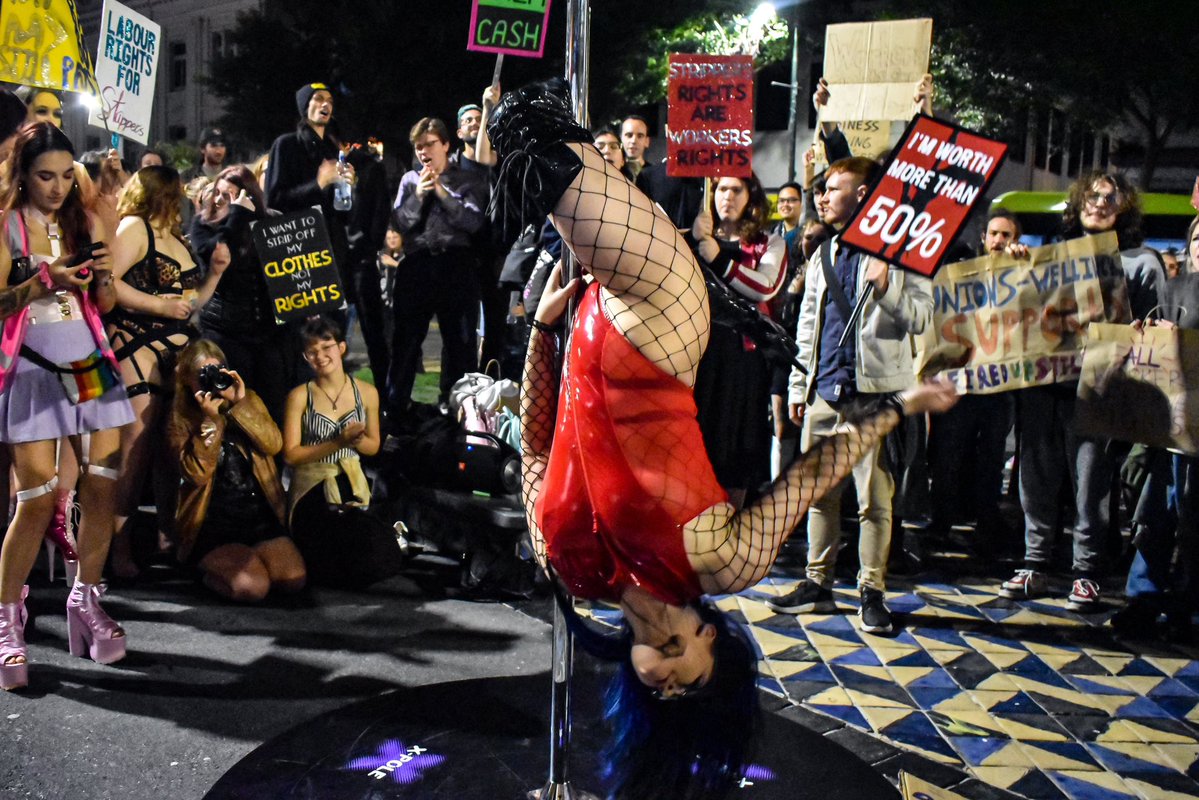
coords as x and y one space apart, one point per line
35 407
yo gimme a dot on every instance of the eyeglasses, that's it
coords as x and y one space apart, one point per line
1102 198
788 200
314 352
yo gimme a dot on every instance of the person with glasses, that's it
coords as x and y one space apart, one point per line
608 143
230 518
332 421
1097 202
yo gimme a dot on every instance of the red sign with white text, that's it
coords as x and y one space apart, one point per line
931 182
710 125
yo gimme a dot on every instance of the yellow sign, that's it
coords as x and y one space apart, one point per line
872 68
40 45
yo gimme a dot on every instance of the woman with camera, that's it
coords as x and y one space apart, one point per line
58 377
330 422
159 285
230 521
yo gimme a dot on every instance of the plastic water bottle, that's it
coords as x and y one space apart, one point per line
343 196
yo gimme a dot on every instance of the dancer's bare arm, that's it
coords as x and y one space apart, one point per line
539 401
654 290
732 550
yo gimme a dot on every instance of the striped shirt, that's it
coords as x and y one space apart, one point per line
318 429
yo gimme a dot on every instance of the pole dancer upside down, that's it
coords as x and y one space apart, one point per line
621 499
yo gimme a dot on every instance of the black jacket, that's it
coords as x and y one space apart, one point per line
291 186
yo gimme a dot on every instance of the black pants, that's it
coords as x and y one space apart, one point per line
426 285
370 318
346 548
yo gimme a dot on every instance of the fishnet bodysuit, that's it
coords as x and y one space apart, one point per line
658 302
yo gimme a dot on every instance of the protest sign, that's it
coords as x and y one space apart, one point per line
126 68
872 138
1140 386
1001 323
710 119
511 27
297 261
931 182
43 45
873 67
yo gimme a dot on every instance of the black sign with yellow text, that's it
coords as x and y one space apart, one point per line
297 261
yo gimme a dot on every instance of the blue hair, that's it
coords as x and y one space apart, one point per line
690 748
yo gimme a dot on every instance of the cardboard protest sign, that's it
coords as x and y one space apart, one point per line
126 68
511 27
872 68
931 182
1140 386
1001 323
710 119
42 45
872 138
297 260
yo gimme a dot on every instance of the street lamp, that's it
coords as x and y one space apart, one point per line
755 30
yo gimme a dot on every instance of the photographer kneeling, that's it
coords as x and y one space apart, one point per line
230 520
329 423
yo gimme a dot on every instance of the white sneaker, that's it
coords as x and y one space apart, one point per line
1025 585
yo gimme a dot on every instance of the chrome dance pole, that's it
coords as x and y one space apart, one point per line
558 787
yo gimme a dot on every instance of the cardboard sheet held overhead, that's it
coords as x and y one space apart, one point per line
873 67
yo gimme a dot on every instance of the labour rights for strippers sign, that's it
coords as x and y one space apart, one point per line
931 182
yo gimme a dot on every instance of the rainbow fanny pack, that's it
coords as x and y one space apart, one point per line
82 380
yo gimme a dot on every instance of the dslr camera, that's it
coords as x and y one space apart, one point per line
214 378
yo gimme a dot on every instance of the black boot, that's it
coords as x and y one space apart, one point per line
528 129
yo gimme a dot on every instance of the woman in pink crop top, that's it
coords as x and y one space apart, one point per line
58 378
621 499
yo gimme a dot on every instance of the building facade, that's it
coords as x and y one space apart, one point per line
195 35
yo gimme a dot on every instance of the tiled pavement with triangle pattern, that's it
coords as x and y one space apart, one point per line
1026 697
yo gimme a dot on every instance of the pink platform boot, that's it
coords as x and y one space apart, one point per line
61 536
90 630
12 643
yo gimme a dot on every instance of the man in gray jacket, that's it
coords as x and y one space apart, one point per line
877 359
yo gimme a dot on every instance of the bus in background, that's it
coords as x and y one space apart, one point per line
1040 213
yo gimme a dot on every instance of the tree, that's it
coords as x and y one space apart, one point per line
1120 68
391 67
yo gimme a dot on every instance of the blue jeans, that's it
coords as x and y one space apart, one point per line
1167 516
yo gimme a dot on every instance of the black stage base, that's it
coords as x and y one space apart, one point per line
489 739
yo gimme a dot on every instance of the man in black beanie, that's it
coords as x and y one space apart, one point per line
301 172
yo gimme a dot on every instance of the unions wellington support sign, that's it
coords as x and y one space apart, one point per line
126 67
710 125
1003 323
297 261
931 182
511 27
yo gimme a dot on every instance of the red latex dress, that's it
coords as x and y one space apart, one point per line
627 469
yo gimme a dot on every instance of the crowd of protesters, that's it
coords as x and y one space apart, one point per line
140 357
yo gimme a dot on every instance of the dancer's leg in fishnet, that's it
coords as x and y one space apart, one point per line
655 290
538 410
732 550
